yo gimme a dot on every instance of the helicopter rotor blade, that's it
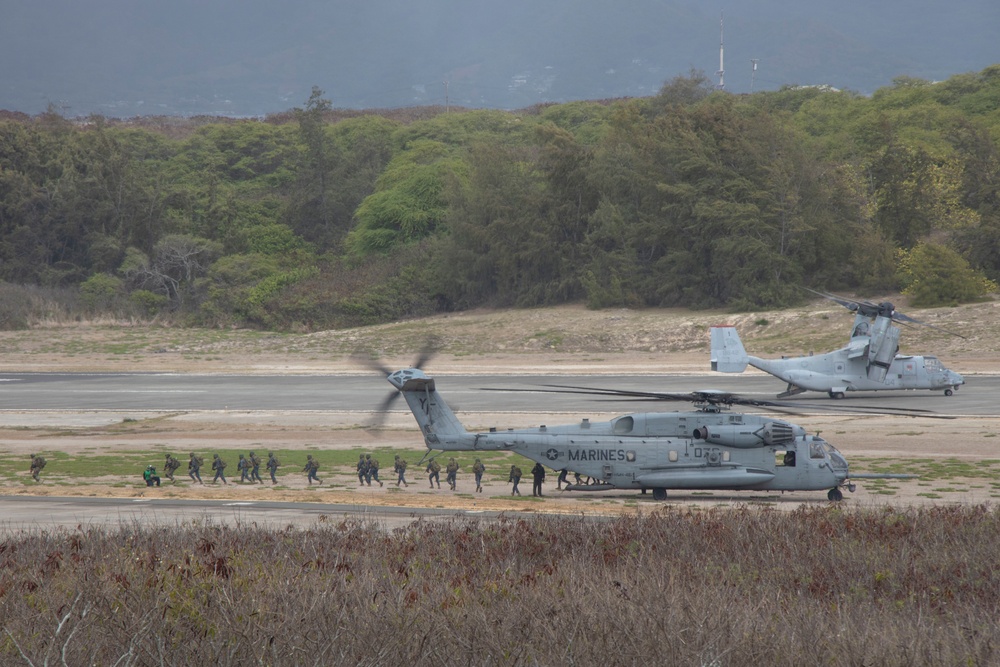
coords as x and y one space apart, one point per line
427 352
885 309
713 397
903 318
851 305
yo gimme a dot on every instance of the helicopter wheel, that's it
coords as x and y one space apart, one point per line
836 394
948 392
835 495
659 494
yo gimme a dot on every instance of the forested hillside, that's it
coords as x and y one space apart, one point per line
320 218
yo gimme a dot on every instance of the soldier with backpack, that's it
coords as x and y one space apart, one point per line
255 468
170 466
434 473
363 471
452 478
272 466
372 470
400 468
312 465
37 463
194 465
478 469
218 465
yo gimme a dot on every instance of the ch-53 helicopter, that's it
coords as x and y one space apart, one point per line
708 448
869 362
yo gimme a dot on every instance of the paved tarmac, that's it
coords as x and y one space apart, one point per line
169 392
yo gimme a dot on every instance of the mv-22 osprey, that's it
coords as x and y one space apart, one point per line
869 361
708 448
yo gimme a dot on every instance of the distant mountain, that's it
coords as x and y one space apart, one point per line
253 57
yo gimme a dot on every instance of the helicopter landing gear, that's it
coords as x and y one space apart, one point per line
835 394
949 391
659 494
835 495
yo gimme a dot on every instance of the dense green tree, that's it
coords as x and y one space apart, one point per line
935 275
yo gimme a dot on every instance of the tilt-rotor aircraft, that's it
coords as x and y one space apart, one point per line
708 448
869 362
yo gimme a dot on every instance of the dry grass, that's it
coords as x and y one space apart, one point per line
720 587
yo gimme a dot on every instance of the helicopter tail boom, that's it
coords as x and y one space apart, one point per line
441 428
728 353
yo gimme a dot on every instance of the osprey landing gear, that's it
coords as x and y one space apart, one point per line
659 494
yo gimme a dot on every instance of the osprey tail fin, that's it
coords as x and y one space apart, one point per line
728 354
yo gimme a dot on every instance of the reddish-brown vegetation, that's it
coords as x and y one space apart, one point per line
719 587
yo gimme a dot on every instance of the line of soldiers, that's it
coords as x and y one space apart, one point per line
367 469
434 474
249 468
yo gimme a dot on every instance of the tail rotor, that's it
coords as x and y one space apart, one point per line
430 349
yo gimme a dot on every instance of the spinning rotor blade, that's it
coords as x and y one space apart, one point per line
724 398
884 309
427 353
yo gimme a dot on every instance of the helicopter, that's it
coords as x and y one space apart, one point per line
708 448
869 362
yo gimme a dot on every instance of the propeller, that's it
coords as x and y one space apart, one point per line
882 309
427 352
711 400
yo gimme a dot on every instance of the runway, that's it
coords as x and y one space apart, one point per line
170 392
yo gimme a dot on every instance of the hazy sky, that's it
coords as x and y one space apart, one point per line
248 57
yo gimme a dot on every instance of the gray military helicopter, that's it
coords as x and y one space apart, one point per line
709 448
869 362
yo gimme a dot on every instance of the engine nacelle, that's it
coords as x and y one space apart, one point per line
746 436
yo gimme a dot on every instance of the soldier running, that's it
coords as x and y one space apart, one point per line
255 468
218 465
372 469
311 467
478 469
170 466
244 467
37 463
434 473
272 466
400 468
452 477
363 471
194 465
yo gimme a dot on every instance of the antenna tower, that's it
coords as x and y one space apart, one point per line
753 72
722 70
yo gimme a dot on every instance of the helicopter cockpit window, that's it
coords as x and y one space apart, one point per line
816 450
624 425
932 364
